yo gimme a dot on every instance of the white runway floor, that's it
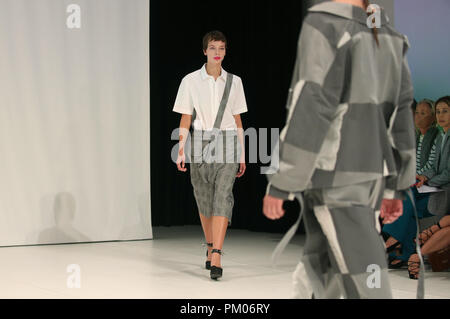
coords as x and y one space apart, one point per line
170 266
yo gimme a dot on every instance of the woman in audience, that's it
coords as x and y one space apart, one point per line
399 234
436 237
432 239
439 174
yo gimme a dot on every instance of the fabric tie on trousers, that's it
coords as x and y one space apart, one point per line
290 233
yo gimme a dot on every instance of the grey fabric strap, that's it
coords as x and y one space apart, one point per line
291 232
223 103
421 283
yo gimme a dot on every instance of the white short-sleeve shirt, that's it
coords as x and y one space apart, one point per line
199 90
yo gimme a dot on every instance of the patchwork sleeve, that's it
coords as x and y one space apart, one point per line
402 131
314 99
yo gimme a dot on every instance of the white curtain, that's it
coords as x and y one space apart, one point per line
74 121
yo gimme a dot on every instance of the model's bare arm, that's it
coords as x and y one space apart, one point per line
185 123
240 131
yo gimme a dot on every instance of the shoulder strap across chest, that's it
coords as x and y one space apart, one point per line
223 102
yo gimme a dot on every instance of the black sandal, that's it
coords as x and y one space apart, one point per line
208 262
396 265
395 246
216 272
413 268
428 232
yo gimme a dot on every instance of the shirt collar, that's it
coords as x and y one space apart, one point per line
348 11
205 75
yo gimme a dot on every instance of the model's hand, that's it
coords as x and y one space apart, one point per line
242 165
273 207
181 159
391 210
241 170
422 179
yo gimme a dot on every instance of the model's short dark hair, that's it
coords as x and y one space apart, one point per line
445 99
213 36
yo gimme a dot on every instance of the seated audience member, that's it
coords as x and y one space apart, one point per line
439 174
432 239
400 233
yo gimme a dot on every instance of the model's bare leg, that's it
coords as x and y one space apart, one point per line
439 240
219 229
391 241
430 231
207 230
445 221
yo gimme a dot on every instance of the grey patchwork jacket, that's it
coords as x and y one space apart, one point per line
349 117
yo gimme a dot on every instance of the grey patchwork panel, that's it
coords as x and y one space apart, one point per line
355 136
314 67
307 127
331 27
370 83
358 238
293 175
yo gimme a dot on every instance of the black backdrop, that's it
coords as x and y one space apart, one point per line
262 39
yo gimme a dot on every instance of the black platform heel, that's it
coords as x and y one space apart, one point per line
208 262
216 272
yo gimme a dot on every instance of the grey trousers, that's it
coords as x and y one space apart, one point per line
344 254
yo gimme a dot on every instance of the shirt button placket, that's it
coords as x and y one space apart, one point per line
211 86
215 99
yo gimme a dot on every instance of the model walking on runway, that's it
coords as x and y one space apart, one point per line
348 143
212 100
